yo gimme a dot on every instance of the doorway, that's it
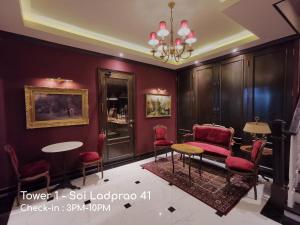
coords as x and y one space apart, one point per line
117 114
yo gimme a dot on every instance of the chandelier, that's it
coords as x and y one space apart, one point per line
181 48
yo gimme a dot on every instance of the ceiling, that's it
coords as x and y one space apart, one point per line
291 10
113 27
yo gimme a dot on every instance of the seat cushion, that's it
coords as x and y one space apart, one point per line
163 142
35 168
89 156
240 164
211 148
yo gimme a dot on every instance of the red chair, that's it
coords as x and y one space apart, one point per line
28 172
244 167
160 139
89 159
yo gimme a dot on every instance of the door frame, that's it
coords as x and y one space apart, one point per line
100 104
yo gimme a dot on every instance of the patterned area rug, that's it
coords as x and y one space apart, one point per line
210 187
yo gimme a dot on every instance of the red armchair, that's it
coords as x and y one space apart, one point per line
160 139
244 167
89 159
28 172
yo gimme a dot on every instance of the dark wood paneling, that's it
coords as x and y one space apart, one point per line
246 51
232 91
269 84
232 88
185 101
204 92
292 81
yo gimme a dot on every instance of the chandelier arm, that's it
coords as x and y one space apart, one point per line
183 49
155 56
167 59
165 51
176 57
189 55
177 53
180 52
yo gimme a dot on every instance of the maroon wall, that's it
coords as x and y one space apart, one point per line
3 159
2 115
30 63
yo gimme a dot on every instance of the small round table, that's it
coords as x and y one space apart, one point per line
63 147
189 150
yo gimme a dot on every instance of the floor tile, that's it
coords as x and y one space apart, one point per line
157 202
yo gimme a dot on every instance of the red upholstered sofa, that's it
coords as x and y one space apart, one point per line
213 139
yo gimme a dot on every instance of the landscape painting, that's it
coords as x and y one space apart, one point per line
51 107
158 105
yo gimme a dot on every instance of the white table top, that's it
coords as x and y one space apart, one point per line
62 147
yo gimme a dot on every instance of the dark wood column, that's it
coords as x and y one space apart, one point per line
275 205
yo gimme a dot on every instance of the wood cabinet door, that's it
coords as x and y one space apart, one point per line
269 71
205 94
185 101
232 93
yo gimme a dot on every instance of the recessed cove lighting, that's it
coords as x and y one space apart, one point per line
121 54
234 50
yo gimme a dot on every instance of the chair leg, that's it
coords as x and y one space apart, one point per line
18 193
228 177
227 189
83 172
154 154
48 182
102 169
254 186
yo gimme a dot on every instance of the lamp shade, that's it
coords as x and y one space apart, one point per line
184 28
178 44
257 128
163 32
153 39
191 38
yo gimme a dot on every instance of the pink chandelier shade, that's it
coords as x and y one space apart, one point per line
191 38
164 48
178 41
163 32
178 44
184 28
153 41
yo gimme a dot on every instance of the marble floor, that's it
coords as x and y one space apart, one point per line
130 195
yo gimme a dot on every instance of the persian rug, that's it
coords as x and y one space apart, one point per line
210 187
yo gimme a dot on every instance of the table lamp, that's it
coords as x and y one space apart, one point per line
257 128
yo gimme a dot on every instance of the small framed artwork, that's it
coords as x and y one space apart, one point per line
158 105
55 107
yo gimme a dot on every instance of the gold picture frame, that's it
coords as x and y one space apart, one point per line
158 105
55 107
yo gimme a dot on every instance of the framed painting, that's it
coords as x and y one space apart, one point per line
55 107
158 105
